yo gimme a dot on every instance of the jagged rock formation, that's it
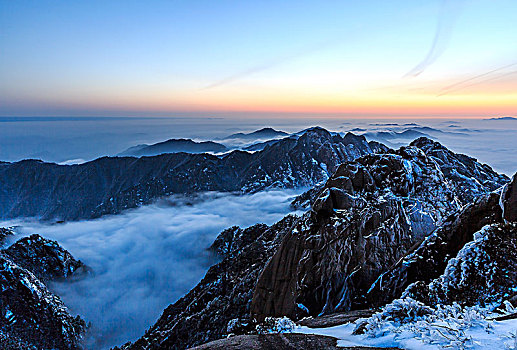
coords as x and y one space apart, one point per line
46 259
367 217
31 316
481 266
110 185
470 177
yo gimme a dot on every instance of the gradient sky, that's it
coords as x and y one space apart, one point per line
341 57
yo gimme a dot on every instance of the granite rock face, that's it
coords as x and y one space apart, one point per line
111 184
31 316
369 214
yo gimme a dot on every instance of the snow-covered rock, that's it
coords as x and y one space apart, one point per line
483 272
367 217
31 316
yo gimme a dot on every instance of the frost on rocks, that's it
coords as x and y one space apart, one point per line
276 325
364 220
429 259
30 314
483 272
443 326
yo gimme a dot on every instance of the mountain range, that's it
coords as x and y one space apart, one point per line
174 146
419 223
108 185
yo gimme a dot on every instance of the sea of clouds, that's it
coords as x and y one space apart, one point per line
147 258
75 140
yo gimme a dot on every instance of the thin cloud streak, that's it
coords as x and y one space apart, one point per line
461 84
268 65
449 13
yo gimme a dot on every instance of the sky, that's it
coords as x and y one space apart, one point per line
169 58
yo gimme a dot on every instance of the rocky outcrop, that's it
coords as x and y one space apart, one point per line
4 234
46 259
320 265
31 316
368 216
110 185
470 260
233 240
273 341
470 177
335 319
483 270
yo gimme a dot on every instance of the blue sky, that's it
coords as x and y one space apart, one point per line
159 57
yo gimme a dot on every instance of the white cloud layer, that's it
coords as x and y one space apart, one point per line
149 257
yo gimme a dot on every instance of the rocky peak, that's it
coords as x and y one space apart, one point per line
373 215
45 258
30 313
368 215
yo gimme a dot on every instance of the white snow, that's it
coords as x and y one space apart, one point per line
446 327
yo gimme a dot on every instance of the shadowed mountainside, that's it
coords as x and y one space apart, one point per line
32 188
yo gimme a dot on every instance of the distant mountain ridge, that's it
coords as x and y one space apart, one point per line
108 185
259 134
174 146
502 118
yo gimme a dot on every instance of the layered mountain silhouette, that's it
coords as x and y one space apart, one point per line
371 213
174 146
265 133
108 185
